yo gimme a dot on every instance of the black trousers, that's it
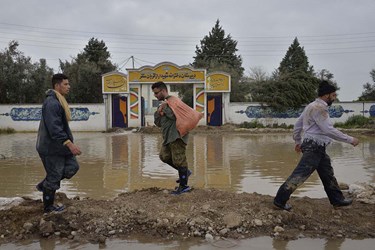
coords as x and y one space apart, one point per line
58 168
314 158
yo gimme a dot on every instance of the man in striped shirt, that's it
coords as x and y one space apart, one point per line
318 132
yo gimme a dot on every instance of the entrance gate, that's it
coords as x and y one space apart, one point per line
131 103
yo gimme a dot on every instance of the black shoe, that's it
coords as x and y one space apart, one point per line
181 190
343 203
286 206
53 208
188 174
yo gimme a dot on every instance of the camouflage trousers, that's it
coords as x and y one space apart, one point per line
174 154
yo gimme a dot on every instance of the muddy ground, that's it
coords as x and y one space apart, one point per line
205 213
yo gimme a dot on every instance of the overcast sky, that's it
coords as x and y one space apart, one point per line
337 35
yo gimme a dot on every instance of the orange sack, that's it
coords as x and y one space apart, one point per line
186 117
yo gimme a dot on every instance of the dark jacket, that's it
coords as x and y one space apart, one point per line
53 128
167 123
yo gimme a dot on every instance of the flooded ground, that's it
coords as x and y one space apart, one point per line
259 243
115 163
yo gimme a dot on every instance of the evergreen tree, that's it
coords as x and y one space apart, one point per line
218 52
85 72
369 89
294 60
288 92
216 49
96 51
293 84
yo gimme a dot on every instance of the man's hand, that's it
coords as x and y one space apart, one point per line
355 141
297 148
161 107
74 148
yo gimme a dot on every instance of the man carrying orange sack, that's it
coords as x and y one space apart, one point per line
173 149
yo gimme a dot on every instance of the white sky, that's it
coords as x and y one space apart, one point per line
338 35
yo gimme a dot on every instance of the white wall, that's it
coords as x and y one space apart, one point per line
237 113
20 117
89 117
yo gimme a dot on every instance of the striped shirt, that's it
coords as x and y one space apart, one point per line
314 124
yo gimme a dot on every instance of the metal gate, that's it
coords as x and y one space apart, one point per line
119 111
214 110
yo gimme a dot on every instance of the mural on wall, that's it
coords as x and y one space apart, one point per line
134 103
335 111
35 114
199 99
371 111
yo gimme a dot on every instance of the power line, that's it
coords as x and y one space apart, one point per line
125 62
153 44
174 44
152 37
145 61
133 44
90 32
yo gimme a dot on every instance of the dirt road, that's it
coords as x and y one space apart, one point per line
200 213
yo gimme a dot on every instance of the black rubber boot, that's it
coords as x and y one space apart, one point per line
188 174
183 187
48 200
183 176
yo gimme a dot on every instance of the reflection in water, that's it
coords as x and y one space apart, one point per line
114 163
143 243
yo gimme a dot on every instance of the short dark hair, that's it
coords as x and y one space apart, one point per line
159 85
57 79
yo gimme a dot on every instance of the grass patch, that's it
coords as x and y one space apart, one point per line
357 121
7 131
252 124
256 124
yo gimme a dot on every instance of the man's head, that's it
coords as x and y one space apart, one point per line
327 92
160 90
60 83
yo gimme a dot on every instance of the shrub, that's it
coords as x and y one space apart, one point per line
356 121
283 125
252 124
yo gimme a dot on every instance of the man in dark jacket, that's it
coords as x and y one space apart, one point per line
55 142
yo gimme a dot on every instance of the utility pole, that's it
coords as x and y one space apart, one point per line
132 57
